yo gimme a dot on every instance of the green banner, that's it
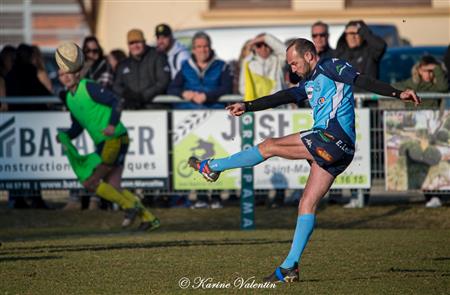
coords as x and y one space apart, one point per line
247 194
204 134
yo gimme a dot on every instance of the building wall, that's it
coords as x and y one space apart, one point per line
42 22
421 26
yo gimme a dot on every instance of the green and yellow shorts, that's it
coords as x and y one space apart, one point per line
113 151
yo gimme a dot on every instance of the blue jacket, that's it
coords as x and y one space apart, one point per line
214 81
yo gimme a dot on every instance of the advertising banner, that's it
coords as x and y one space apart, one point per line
281 173
30 156
214 134
417 150
204 134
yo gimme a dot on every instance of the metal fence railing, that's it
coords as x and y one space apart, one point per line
366 100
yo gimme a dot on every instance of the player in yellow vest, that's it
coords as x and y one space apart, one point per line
97 110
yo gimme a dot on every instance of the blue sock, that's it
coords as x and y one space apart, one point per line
247 158
303 230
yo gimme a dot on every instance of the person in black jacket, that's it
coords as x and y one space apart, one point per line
96 66
22 80
143 75
319 35
361 48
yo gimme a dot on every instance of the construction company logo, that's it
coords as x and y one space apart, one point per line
7 138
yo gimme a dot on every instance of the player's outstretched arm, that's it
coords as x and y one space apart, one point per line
382 88
263 103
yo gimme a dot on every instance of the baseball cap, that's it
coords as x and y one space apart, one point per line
163 30
135 35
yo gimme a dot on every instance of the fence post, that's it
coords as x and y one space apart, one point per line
359 191
247 192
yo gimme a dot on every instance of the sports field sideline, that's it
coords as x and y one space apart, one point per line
375 250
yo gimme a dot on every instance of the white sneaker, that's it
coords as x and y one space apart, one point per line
434 202
200 205
352 204
216 205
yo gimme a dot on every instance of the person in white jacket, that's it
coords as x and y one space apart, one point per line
175 51
266 61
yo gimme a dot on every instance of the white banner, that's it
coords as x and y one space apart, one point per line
281 173
29 150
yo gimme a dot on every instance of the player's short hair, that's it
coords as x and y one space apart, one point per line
321 24
302 46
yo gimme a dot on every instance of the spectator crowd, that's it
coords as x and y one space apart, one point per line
199 76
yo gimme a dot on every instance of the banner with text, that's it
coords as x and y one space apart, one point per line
281 173
417 150
30 157
214 134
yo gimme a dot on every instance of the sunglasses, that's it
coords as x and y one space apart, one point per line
92 50
351 33
323 35
134 42
261 44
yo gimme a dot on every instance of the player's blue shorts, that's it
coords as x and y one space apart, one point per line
332 153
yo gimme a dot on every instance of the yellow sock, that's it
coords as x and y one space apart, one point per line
108 192
145 214
130 196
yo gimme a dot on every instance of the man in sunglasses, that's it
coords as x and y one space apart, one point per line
319 34
143 75
361 48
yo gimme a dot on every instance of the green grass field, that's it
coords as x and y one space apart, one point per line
375 250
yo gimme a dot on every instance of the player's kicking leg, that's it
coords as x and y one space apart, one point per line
288 147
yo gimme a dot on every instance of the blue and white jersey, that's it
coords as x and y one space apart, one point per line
329 91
